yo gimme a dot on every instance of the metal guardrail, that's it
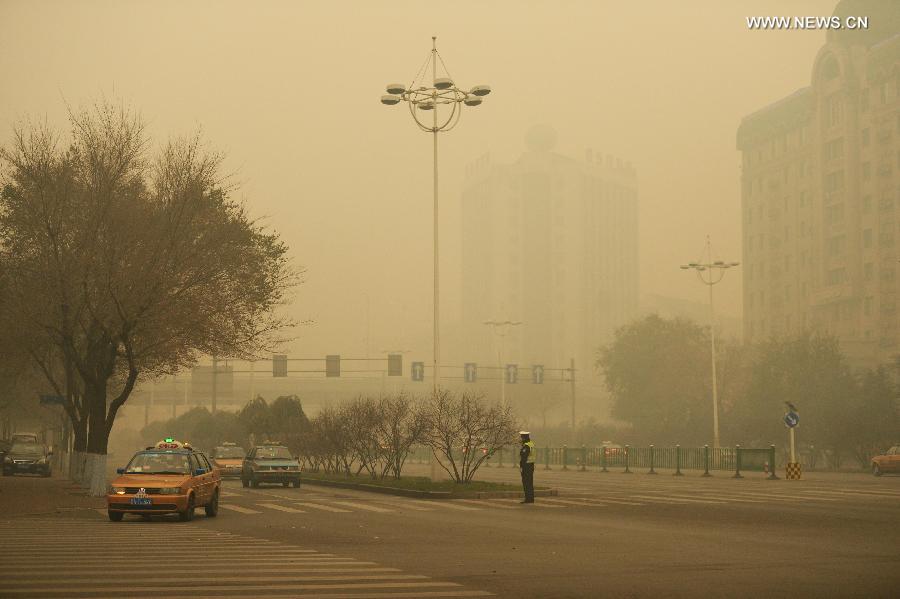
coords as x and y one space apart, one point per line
734 459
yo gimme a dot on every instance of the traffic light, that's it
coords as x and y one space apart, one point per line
395 365
470 372
333 365
512 374
537 374
417 371
279 365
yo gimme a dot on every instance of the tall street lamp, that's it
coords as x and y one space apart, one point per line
501 328
441 95
710 273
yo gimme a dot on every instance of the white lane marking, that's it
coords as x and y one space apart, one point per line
614 500
537 503
163 580
487 503
319 506
281 508
573 502
90 571
239 509
453 504
364 506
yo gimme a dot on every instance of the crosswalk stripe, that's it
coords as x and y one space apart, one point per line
239 509
572 502
487 503
168 580
323 507
281 508
363 506
376 595
409 505
662 499
91 571
263 587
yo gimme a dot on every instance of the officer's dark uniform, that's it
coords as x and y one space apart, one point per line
526 464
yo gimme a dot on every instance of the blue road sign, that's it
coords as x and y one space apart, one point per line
470 372
417 370
791 419
537 374
512 374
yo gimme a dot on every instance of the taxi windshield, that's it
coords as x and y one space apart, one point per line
273 453
230 452
27 448
159 463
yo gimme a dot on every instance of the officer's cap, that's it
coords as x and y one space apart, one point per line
524 433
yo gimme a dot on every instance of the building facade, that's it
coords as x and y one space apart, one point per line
821 196
552 242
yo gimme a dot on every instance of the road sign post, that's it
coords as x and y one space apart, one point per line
793 470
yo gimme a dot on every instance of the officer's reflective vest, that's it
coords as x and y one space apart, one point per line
531 451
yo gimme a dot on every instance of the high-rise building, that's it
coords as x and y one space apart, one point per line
821 195
552 242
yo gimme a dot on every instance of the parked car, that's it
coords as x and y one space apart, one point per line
168 478
270 463
27 458
887 462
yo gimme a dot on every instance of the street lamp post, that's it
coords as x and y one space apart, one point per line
710 273
441 94
501 328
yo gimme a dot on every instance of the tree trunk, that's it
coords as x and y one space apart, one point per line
96 484
98 437
76 461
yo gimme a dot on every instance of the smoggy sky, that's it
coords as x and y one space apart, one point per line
290 91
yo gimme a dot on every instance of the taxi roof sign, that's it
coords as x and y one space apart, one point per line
169 440
170 443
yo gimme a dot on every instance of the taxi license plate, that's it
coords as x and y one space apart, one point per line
140 501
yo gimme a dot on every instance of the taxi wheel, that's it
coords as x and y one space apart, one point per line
297 484
254 483
188 514
115 516
212 508
245 483
876 470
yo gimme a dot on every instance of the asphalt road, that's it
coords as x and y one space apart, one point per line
606 535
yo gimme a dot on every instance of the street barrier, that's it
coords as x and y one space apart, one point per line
738 460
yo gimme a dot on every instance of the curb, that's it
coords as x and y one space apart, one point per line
428 494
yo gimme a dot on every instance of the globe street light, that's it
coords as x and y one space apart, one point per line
709 274
441 94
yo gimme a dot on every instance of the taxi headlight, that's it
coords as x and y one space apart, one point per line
170 491
117 490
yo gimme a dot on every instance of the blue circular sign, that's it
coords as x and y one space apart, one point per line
791 419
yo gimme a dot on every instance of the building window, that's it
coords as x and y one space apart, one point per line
866 203
868 271
834 149
802 198
867 306
836 276
787 263
787 234
835 246
866 170
834 182
864 100
834 214
864 137
867 238
834 110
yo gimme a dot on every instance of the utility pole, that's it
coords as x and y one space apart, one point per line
572 382
215 368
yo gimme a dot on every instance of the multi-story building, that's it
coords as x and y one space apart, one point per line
552 242
821 196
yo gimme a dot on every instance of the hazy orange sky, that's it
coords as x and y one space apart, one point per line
290 90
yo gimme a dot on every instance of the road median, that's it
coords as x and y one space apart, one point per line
424 488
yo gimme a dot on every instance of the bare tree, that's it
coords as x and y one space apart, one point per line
402 425
459 427
127 267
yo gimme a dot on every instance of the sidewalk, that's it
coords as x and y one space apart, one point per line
33 495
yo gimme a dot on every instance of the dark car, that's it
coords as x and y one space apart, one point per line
27 458
4 448
270 464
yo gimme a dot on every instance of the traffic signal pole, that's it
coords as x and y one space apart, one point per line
572 381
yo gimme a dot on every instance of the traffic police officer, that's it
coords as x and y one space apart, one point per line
526 465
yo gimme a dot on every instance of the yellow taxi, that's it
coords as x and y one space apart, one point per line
228 458
168 478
